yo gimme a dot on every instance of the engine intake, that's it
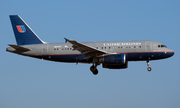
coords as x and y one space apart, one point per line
114 59
117 61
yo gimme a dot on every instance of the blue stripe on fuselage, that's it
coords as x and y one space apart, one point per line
131 56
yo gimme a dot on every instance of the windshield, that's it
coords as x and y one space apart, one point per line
161 46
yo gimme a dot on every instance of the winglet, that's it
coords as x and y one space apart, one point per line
66 40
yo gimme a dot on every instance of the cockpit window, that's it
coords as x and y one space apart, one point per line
162 46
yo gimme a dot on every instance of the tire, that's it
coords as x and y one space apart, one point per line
94 70
149 69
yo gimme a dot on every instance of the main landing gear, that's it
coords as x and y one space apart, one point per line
149 68
93 69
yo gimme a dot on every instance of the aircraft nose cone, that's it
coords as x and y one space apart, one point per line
170 53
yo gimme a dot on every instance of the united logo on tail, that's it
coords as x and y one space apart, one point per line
21 28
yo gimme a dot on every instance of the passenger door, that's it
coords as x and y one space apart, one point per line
44 49
148 46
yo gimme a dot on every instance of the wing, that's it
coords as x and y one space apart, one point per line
87 50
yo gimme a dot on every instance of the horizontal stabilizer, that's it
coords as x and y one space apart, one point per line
19 48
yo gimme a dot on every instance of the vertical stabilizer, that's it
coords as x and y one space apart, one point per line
23 33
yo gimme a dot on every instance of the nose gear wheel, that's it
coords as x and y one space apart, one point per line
149 68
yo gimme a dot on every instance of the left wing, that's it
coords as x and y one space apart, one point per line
87 50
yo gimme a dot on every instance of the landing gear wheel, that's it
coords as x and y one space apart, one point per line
148 64
149 69
94 70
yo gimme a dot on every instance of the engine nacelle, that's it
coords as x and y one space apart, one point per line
110 66
116 61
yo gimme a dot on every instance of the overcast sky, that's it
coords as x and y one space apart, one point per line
32 83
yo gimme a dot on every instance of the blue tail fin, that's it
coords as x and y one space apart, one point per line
23 33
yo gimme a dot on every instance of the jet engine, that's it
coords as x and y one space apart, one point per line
116 61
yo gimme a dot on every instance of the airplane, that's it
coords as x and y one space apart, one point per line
112 55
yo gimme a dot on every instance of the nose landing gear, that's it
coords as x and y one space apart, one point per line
149 68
